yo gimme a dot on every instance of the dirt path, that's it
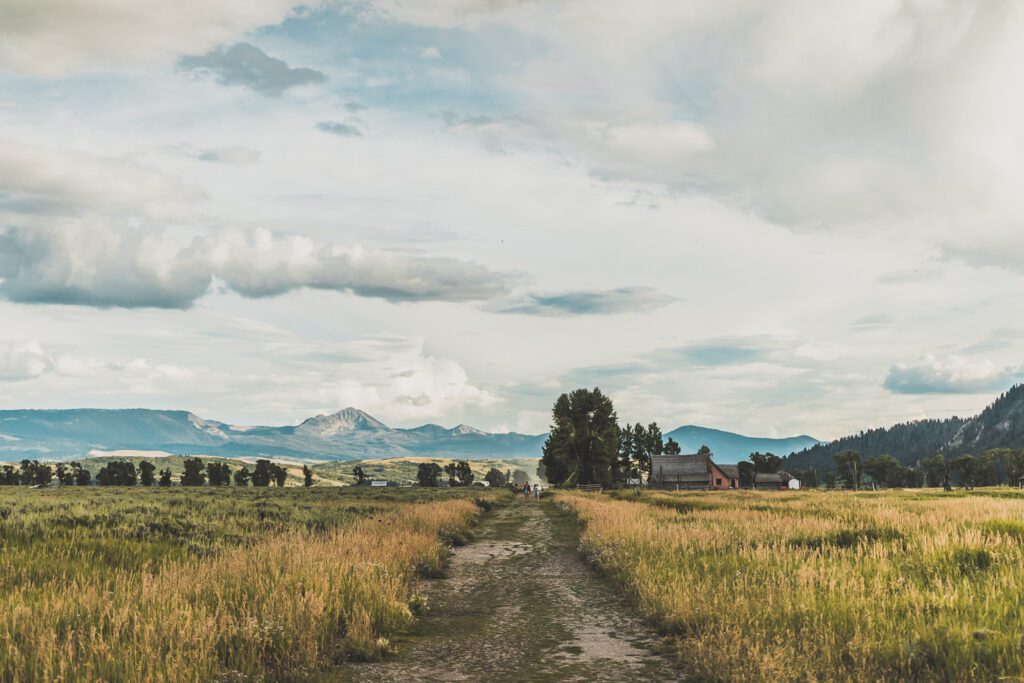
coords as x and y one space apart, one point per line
520 605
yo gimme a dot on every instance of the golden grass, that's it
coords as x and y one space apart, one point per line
281 607
822 586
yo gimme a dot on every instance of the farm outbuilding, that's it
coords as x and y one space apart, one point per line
680 472
775 481
694 472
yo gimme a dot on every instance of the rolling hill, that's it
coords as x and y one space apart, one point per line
728 447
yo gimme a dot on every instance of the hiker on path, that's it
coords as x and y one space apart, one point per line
526 490
536 491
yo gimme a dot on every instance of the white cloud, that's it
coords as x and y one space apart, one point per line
903 116
951 375
23 361
52 37
133 268
48 181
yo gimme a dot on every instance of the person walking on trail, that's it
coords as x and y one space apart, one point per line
526 491
536 491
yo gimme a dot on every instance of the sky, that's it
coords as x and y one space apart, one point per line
797 217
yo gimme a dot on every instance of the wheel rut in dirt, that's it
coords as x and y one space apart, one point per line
519 604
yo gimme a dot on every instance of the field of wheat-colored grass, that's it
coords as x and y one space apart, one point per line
203 585
795 586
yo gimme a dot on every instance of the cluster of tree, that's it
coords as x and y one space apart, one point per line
636 446
755 462
35 473
587 446
118 473
995 467
459 474
197 472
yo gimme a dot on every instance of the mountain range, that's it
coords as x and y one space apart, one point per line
1000 425
348 434
729 447
345 435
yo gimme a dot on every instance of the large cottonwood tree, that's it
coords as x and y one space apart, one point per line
584 441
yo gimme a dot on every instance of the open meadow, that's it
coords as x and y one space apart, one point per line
755 586
203 584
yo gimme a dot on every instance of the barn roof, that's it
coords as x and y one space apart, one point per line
731 471
772 477
680 468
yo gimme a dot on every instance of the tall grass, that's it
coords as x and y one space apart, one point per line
305 580
822 586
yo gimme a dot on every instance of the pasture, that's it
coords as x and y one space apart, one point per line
755 586
202 584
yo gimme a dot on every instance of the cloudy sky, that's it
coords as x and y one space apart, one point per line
802 216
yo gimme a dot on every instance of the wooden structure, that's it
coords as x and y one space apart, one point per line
775 481
695 472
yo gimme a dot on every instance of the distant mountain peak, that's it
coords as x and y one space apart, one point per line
465 429
347 420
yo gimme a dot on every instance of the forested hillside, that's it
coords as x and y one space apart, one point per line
1000 425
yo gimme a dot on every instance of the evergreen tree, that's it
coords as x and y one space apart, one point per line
165 477
307 476
672 448
640 457
624 463
652 446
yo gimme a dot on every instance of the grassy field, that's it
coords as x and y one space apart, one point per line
914 585
137 584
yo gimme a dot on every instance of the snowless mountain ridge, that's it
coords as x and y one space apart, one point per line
345 435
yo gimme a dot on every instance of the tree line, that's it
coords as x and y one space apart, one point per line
850 469
995 467
459 473
196 472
